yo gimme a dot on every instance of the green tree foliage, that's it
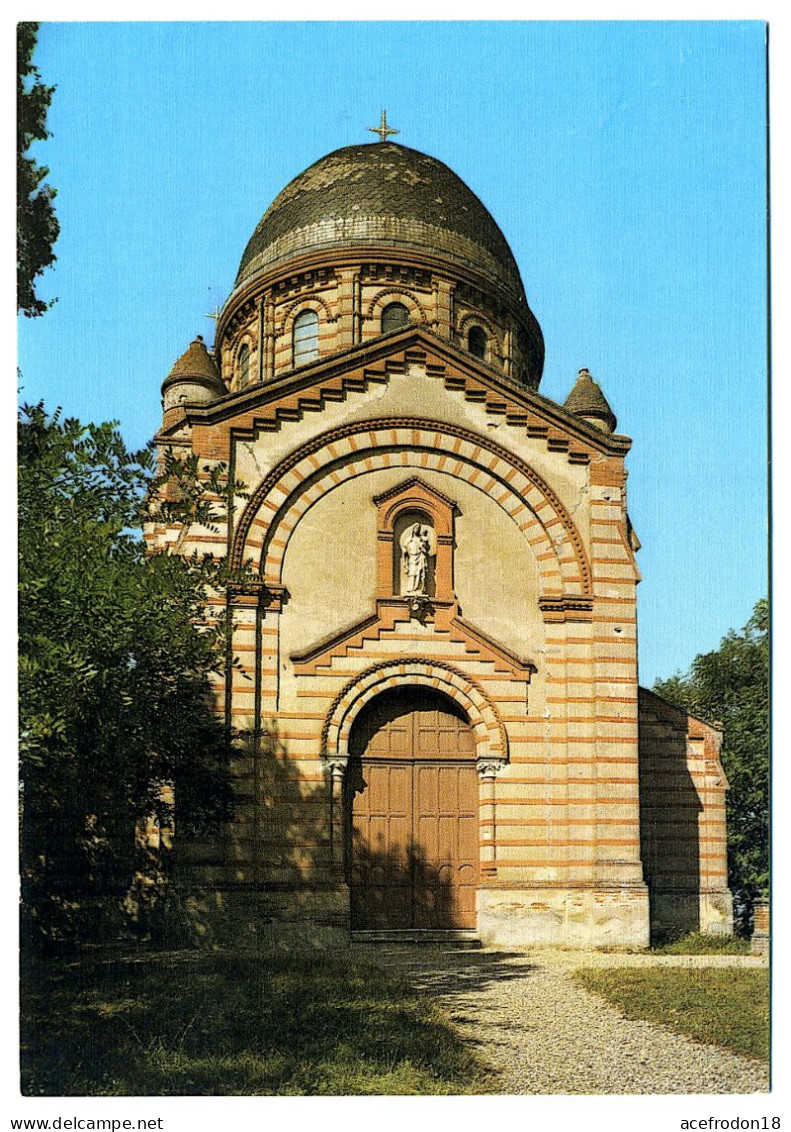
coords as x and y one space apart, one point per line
116 657
37 224
731 687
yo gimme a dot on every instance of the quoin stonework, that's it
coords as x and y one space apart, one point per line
436 699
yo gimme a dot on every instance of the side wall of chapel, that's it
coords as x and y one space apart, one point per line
682 813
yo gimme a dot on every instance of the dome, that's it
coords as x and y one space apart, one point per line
382 193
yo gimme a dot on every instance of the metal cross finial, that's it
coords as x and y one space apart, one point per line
383 130
215 314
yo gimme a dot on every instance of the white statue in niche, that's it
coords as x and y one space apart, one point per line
415 549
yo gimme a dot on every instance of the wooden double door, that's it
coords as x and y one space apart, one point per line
412 814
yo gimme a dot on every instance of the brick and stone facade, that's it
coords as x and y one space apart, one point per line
600 808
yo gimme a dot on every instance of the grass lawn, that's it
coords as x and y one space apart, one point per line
699 943
727 1007
215 1024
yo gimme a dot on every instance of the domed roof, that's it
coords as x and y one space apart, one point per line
381 193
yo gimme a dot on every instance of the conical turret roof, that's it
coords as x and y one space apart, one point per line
587 400
196 361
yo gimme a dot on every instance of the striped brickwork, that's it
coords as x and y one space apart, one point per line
348 299
552 701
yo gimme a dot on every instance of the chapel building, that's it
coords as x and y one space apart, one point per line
436 698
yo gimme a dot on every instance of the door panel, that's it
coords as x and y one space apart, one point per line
413 815
445 807
381 881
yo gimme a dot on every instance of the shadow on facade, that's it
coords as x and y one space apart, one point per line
269 871
670 809
398 888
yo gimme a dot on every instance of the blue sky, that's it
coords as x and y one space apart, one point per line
624 162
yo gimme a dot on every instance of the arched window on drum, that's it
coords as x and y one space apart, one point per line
394 316
477 342
305 337
244 367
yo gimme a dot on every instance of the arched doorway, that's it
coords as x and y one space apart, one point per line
412 814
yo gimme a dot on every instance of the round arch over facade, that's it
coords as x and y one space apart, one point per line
294 485
488 731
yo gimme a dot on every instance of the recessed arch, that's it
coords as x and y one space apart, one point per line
305 337
320 465
478 342
473 318
395 316
295 309
243 356
406 700
389 295
556 566
487 728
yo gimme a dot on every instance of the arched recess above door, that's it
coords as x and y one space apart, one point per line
319 466
489 734
413 701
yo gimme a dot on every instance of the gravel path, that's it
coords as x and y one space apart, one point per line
547 1035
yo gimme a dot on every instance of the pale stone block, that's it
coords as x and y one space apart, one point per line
565 917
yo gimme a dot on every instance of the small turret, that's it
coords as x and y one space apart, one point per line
193 380
586 400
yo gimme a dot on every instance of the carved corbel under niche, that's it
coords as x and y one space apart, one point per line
420 607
